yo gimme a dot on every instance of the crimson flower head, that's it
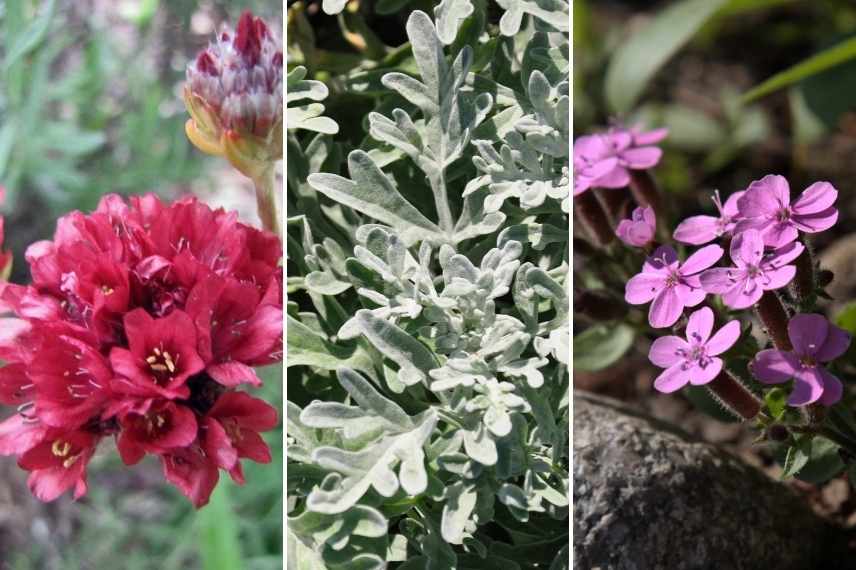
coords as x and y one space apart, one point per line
142 322
234 89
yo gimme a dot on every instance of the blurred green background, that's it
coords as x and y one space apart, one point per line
90 103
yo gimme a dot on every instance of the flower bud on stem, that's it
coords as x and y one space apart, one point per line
594 219
773 314
733 394
644 190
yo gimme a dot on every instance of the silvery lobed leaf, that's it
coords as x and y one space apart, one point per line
307 116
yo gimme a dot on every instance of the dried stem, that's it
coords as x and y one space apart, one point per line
614 202
265 184
775 317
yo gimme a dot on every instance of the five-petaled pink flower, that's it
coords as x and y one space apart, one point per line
816 341
694 360
670 284
766 206
604 160
698 230
638 230
754 272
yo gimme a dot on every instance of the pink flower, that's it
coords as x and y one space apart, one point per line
604 160
754 272
194 473
766 206
638 231
58 463
698 230
693 360
815 341
670 284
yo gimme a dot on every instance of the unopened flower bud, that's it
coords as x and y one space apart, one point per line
234 96
778 432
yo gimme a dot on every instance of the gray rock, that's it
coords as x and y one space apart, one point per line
649 497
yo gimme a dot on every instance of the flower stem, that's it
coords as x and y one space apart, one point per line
441 201
265 184
644 190
594 219
773 314
733 394
613 201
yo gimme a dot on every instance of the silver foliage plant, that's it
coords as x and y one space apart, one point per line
428 326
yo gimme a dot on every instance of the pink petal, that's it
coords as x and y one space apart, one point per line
837 342
700 325
618 177
744 294
730 207
671 379
813 223
720 280
701 259
751 247
649 137
778 278
697 230
764 196
666 309
643 287
723 339
773 366
783 255
808 332
808 387
232 373
816 198
641 158
703 374
832 388
664 257
690 296
666 351
780 234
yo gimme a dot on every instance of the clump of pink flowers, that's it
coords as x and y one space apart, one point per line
769 268
143 323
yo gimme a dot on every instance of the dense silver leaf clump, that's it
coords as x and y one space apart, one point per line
429 331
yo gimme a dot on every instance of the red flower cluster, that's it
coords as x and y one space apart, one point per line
140 323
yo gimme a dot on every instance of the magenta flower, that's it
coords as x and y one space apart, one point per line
604 160
670 284
766 206
693 360
698 230
754 272
815 341
638 231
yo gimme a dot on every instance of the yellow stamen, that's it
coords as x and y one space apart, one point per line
60 448
70 461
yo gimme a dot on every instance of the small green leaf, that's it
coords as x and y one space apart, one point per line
846 318
841 53
219 545
776 401
600 346
824 462
796 458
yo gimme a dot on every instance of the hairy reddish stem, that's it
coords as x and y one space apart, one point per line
614 202
775 317
804 280
594 219
735 395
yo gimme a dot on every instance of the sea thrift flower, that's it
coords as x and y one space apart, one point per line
815 341
694 360
638 231
766 206
754 272
141 322
699 230
670 284
604 160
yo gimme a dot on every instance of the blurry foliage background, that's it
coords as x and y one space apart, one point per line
90 103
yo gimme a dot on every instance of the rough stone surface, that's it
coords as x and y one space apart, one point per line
649 497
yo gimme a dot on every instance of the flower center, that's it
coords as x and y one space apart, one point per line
783 215
162 363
